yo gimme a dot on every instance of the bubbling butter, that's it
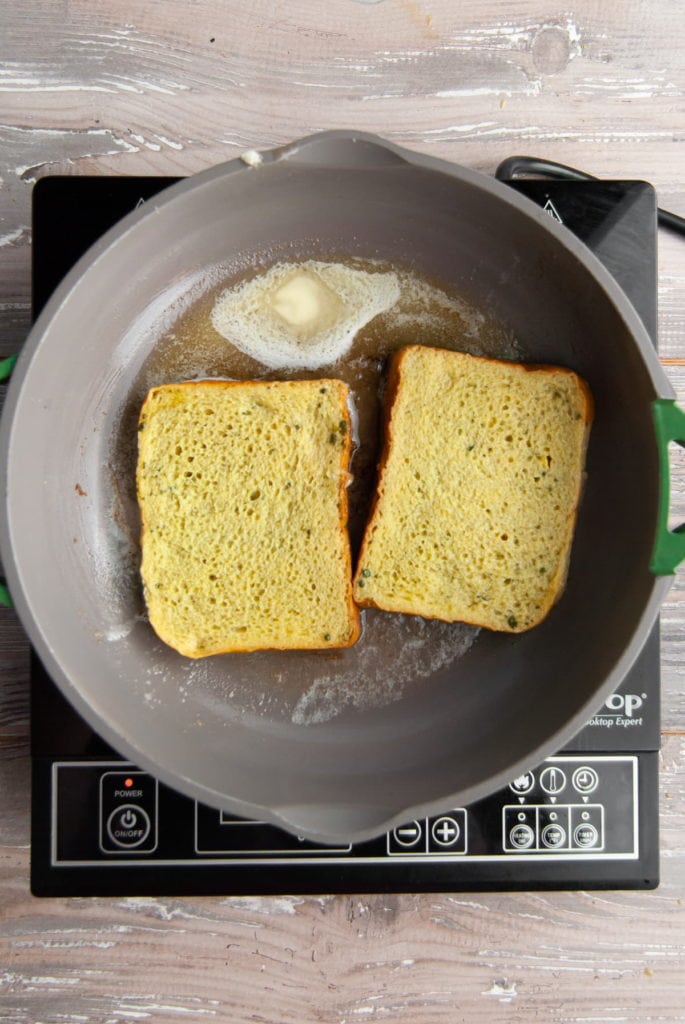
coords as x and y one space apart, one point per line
302 315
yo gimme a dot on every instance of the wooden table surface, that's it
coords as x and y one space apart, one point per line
172 87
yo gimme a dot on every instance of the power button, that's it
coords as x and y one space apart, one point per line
128 827
128 812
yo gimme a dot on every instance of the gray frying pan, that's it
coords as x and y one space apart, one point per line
327 747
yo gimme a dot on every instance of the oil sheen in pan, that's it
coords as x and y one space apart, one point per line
394 651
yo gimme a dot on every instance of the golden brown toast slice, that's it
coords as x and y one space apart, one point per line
242 488
478 488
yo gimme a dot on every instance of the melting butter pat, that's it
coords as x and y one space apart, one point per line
306 304
302 315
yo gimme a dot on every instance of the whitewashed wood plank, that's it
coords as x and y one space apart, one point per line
88 87
141 95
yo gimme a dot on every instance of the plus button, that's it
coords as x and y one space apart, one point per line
445 831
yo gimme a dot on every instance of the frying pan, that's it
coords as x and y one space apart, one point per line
230 731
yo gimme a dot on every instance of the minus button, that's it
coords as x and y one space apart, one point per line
408 835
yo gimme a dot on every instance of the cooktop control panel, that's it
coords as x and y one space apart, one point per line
570 807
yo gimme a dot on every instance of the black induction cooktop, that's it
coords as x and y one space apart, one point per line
586 818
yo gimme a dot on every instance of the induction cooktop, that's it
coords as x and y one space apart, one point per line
585 818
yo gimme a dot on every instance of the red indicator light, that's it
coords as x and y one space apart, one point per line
128 783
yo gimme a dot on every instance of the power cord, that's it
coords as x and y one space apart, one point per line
516 166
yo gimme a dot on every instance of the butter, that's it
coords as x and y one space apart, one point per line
306 304
302 315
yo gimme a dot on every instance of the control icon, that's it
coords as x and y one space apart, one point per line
553 836
128 819
522 784
128 812
445 835
408 835
521 837
128 826
585 780
585 835
552 780
445 831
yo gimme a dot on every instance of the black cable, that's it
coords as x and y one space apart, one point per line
514 166
672 221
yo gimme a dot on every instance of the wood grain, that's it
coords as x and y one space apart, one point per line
171 87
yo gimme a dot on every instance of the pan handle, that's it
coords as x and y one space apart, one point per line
669 545
6 367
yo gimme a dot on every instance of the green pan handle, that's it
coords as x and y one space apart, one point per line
669 546
6 367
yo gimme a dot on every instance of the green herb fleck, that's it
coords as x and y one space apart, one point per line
361 583
342 427
323 390
366 573
512 622
470 447
333 437
542 570
141 426
327 636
